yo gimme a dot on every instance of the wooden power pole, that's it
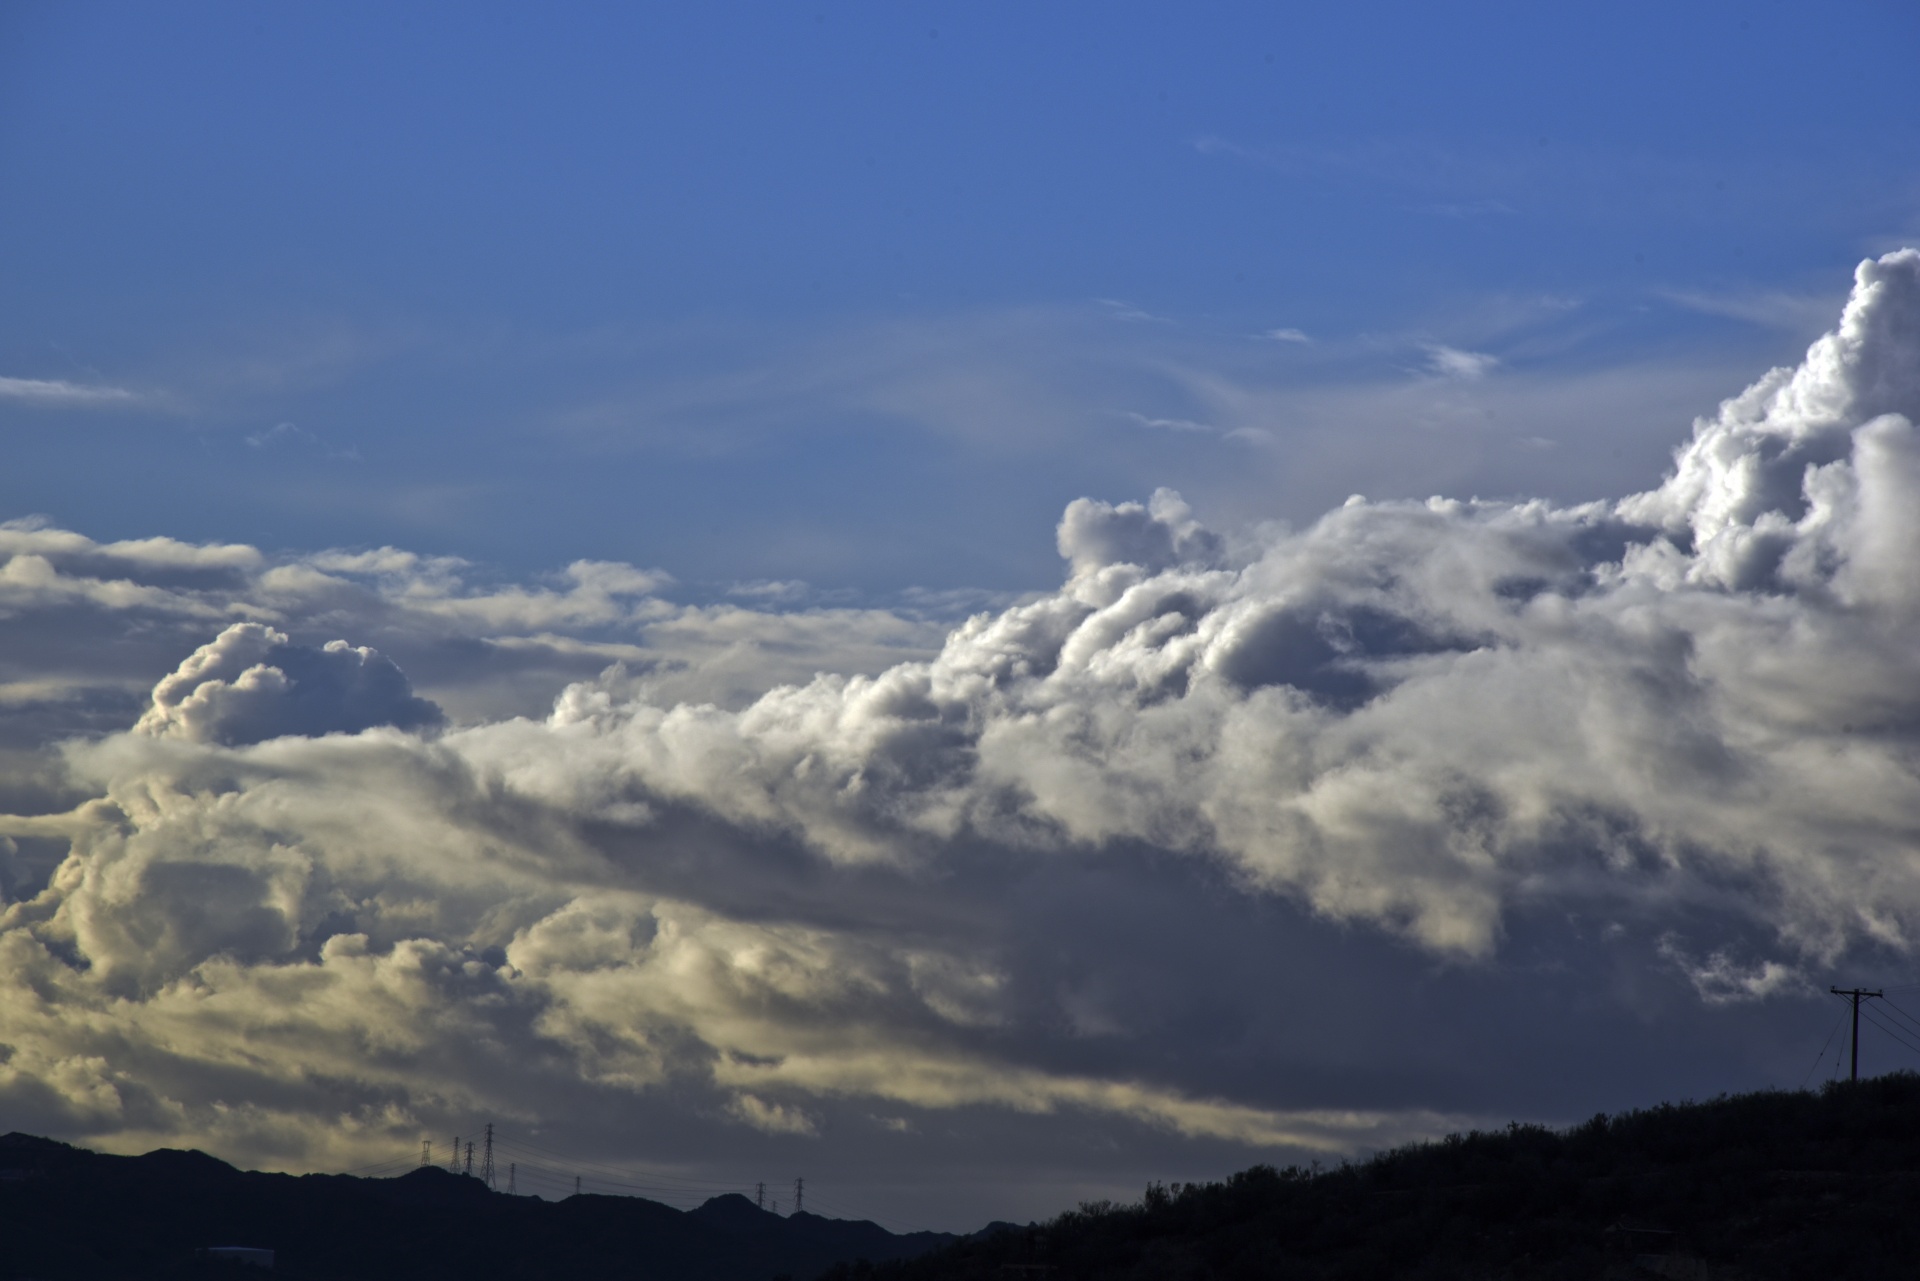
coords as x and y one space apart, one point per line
1855 995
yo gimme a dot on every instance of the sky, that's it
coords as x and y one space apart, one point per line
981 604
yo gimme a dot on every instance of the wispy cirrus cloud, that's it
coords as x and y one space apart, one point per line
1796 313
60 394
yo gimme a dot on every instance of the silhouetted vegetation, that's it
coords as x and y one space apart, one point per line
1759 1186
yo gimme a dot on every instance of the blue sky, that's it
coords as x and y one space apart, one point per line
863 295
756 431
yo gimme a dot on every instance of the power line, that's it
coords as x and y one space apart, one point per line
1896 1009
535 1149
556 1174
370 1171
1903 1039
617 1171
1818 1058
671 1188
626 1186
1890 1032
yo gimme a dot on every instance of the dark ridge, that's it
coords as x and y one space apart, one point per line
734 1212
67 1214
428 1185
173 1163
1753 1187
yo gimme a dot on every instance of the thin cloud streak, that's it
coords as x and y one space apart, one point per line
55 393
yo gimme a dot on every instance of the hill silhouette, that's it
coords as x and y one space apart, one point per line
67 1213
1755 1187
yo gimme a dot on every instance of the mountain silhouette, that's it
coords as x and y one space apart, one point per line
66 1213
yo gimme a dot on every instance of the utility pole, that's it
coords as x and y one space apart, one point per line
1855 995
486 1166
426 1153
759 1196
799 1195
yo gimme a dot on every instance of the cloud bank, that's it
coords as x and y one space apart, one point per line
298 911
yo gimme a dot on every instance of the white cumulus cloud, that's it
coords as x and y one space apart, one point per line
249 684
1020 872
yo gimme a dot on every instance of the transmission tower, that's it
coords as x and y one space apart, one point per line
486 1165
1855 995
469 1158
759 1196
799 1195
511 1190
426 1153
454 1165
576 1185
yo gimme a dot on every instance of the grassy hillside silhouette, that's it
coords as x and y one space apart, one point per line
1759 1186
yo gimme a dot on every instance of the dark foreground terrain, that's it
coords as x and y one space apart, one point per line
1749 1188
69 1213
1760 1186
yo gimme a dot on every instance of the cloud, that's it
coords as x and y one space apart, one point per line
1120 309
1287 335
1794 313
1173 424
1094 535
94 626
249 684
1459 755
1187 426
1047 386
772 1117
780 592
59 394
1467 366
279 433
1720 980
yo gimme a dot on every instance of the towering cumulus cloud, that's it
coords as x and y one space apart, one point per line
250 684
290 919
